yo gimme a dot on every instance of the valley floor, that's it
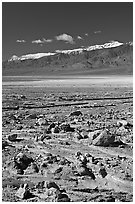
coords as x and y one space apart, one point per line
85 105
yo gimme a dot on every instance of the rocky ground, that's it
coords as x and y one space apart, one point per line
67 144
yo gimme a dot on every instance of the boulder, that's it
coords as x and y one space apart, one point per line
54 194
23 192
62 197
78 136
51 194
121 123
40 185
103 172
51 184
84 134
31 116
56 129
121 131
76 113
52 125
22 161
77 154
104 139
22 96
42 122
20 171
93 135
56 169
84 171
33 168
66 127
47 131
12 137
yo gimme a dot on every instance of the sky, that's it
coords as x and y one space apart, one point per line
46 27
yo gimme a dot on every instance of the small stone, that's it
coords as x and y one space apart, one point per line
51 184
23 192
78 136
84 171
12 137
33 168
55 129
42 122
77 154
36 138
103 172
40 185
4 144
84 134
93 135
58 170
62 197
20 171
66 127
121 123
31 116
22 161
52 125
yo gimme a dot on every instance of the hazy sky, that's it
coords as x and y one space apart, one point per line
46 27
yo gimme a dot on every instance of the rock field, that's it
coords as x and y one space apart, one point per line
67 144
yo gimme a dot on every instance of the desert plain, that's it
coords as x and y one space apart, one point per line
67 139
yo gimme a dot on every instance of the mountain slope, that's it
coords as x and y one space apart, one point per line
101 59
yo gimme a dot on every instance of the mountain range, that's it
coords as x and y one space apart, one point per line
112 58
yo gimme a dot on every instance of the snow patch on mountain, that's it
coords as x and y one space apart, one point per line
30 56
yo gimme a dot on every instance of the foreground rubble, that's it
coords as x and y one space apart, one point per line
72 153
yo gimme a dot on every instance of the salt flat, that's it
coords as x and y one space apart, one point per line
65 81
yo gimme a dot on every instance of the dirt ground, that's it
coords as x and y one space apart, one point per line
37 110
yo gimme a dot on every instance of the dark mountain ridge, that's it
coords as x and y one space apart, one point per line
116 60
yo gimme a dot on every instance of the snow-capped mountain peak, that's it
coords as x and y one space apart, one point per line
110 44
